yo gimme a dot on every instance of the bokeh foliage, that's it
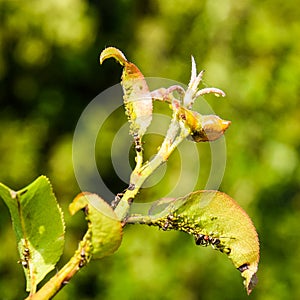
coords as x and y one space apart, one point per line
49 72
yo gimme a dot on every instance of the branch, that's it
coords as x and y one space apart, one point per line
58 281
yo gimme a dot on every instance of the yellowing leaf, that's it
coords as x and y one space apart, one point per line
106 229
137 98
214 219
203 128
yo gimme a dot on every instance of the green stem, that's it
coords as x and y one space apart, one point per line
58 281
139 219
138 160
174 137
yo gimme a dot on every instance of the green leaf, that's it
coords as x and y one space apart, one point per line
137 98
214 219
106 229
39 228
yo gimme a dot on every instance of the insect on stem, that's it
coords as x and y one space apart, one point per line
137 142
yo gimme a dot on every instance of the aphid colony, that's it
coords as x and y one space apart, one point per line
137 142
25 260
178 223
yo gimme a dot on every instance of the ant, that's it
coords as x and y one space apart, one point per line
205 240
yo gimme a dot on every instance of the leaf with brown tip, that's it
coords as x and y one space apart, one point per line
214 219
137 97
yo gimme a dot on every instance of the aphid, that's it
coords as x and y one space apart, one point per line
117 199
24 261
119 196
168 222
243 267
137 142
83 260
82 253
225 250
131 187
166 225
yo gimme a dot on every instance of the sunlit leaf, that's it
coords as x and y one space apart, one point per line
106 229
137 98
214 219
39 228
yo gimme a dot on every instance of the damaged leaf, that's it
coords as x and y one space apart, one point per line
214 219
203 128
137 97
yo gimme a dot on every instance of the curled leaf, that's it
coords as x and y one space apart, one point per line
214 219
39 228
203 128
113 52
137 97
105 228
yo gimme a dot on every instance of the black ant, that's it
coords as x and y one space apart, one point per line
205 240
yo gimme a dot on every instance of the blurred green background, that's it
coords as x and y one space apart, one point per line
49 72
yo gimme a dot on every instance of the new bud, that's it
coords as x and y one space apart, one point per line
211 127
203 128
